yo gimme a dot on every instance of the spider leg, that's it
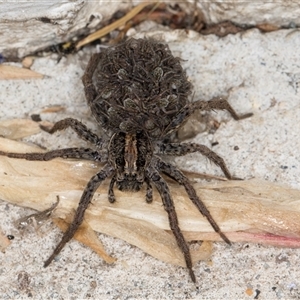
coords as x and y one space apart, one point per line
179 149
174 173
84 153
111 194
84 202
87 78
218 103
215 103
82 131
168 203
149 192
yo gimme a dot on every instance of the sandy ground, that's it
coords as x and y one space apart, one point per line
259 73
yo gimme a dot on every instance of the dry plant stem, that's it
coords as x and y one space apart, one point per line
40 216
107 29
194 175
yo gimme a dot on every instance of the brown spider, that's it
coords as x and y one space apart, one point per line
138 92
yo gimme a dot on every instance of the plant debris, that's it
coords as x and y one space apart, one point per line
12 72
249 211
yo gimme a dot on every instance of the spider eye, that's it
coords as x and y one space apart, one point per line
129 182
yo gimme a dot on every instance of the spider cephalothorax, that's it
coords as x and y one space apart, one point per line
138 92
130 155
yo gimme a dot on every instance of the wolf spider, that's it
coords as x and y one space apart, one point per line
138 92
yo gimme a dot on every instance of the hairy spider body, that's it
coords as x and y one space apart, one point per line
138 92
139 85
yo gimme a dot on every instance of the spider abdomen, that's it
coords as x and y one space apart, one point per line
140 85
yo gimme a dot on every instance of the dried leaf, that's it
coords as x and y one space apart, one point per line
12 72
86 235
253 210
18 128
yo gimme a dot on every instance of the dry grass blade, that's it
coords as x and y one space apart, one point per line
107 29
255 211
12 72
